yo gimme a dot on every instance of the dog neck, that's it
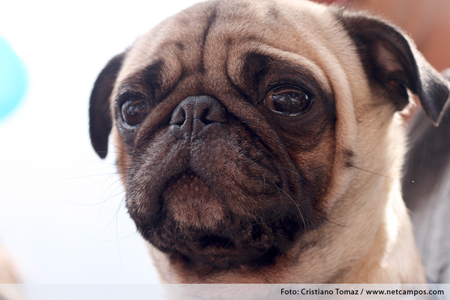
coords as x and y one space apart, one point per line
382 244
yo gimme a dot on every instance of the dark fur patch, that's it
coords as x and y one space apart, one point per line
180 46
148 81
100 123
349 158
273 14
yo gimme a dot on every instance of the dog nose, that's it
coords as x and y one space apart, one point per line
196 113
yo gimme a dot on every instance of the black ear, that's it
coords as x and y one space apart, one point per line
100 119
392 62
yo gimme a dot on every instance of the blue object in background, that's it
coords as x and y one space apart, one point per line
13 79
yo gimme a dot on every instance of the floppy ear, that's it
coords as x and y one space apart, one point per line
392 62
100 118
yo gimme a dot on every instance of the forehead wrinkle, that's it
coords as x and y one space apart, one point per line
236 62
210 22
229 23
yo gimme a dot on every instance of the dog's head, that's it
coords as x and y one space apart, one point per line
242 124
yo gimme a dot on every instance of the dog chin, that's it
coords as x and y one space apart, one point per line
191 202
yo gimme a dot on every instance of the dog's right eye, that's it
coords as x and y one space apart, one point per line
289 101
134 111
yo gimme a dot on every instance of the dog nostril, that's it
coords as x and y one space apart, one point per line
204 117
178 117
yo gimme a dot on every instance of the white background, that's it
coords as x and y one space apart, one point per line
62 216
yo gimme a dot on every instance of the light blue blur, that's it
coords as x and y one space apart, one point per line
13 79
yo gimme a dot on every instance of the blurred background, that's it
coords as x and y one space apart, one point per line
62 213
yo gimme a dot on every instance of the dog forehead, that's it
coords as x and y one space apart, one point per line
204 33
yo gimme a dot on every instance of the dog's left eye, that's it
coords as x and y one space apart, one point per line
134 111
288 101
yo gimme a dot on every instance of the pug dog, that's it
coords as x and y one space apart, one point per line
259 142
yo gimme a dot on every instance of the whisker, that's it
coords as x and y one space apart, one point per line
374 173
114 190
114 217
292 200
82 204
331 222
109 174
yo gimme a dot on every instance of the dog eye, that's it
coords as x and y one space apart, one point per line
288 101
134 111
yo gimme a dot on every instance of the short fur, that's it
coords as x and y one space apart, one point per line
226 190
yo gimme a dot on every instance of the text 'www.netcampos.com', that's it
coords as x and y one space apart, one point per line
359 292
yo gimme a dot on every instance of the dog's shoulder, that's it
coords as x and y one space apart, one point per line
426 190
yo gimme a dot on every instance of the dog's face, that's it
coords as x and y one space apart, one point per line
243 125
